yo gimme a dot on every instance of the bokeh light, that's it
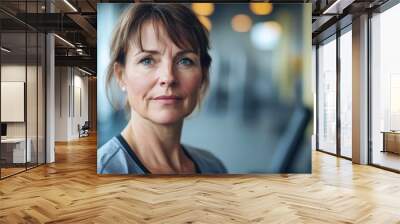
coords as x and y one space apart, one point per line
203 9
241 23
261 8
206 22
266 35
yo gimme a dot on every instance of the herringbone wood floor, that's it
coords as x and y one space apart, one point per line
70 191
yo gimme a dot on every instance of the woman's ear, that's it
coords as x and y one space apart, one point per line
119 73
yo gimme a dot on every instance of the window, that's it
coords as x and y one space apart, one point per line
385 89
346 93
327 96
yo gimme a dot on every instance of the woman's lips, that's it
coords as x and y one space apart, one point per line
168 99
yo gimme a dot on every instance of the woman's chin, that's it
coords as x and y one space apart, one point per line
167 118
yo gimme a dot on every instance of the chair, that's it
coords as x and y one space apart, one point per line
84 130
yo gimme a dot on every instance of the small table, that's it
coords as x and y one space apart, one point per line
391 141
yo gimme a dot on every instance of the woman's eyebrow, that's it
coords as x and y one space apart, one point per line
148 51
180 53
183 52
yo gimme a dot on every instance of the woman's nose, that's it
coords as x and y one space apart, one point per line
168 77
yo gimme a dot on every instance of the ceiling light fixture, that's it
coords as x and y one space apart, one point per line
5 49
70 5
65 41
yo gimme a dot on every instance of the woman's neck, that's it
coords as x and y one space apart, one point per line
157 146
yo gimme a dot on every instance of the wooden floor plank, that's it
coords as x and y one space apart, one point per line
70 191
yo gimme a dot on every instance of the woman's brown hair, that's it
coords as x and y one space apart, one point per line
179 22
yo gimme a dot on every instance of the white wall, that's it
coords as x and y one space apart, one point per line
70 83
80 84
61 103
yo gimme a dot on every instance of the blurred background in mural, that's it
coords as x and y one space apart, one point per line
257 115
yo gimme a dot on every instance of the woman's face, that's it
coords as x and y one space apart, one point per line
162 81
